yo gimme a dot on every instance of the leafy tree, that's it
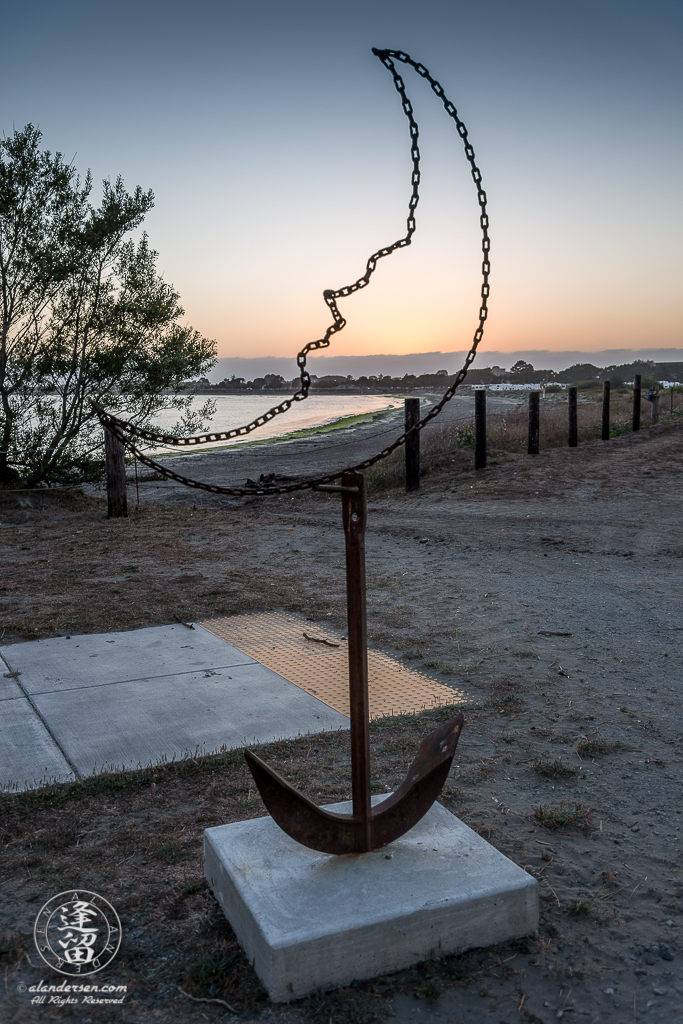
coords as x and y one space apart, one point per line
275 381
84 314
521 368
579 372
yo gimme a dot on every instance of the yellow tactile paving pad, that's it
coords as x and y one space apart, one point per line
277 640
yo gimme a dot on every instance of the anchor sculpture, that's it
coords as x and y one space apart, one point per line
366 828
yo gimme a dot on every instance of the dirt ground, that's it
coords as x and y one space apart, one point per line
569 762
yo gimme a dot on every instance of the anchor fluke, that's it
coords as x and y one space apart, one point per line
329 832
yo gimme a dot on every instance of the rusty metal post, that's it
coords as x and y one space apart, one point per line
412 412
115 464
573 438
365 829
605 409
636 401
354 510
534 422
480 428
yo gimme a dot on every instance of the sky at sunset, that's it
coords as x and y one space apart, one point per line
278 153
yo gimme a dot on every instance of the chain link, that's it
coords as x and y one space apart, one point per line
126 431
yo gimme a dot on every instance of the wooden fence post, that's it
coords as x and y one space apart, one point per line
655 403
573 439
117 497
534 422
636 401
480 427
412 412
605 409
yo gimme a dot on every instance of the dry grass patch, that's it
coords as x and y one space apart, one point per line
577 908
597 746
220 970
453 793
452 445
563 815
554 769
505 696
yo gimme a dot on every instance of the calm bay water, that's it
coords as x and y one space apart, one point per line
316 411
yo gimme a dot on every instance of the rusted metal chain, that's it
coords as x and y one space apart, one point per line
126 431
284 440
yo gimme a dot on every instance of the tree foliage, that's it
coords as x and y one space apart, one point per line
84 315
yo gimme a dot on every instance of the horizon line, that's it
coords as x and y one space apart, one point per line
461 352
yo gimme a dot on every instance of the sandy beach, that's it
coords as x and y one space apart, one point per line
308 454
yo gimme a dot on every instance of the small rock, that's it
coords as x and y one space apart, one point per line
608 991
659 991
666 955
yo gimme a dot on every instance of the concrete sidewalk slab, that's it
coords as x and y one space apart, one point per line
114 701
132 724
100 658
28 754
9 689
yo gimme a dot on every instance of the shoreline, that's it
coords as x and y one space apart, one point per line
319 392
312 452
354 422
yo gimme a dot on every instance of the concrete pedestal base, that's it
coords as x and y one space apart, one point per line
312 921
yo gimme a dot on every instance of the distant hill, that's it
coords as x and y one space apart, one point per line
521 372
430 362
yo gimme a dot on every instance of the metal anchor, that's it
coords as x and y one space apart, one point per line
366 828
